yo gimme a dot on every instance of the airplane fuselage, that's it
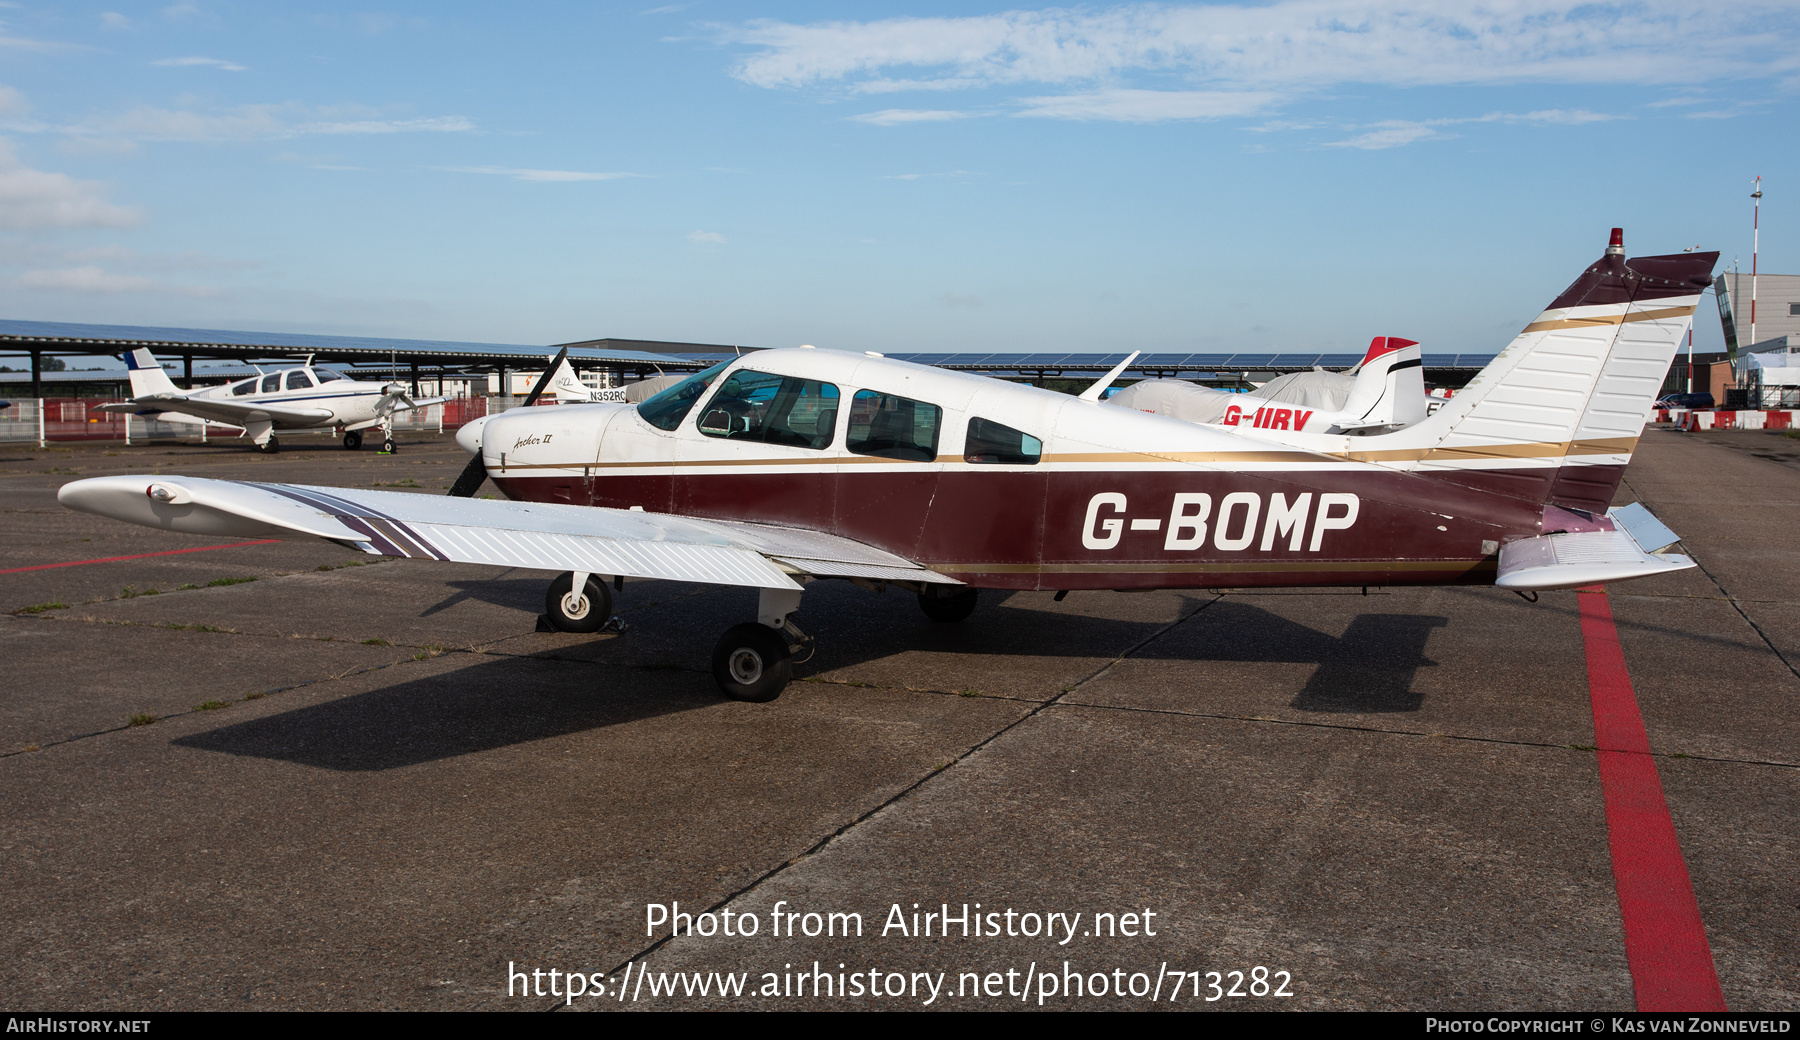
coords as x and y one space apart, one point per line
1114 499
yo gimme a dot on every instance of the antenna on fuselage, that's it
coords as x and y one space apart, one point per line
1093 393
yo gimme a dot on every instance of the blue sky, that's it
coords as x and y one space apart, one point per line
1300 175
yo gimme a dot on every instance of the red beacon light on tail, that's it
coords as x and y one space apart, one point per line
1616 245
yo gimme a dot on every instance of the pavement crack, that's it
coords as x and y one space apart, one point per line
1733 600
823 843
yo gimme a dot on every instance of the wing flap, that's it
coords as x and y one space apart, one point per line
836 569
1569 561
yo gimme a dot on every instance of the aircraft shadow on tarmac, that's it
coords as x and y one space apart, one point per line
518 699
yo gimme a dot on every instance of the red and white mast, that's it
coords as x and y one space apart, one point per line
1755 241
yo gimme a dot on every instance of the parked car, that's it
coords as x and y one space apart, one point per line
1700 400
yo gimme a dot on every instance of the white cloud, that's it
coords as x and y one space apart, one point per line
255 122
114 21
917 176
896 116
1149 106
538 175
1288 45
1392 137
32 199
22 43
217 63
84 280
12 103
706 237
1396 132
98 281
181 10
954 300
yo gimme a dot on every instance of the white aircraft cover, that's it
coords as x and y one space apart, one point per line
1324 391
532 535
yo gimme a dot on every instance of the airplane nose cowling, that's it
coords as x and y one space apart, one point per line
468 438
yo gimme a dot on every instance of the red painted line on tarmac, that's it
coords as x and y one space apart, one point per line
1665 940
137 556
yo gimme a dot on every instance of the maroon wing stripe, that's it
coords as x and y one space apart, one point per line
380 541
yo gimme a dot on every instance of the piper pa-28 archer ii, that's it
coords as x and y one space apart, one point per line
784 467
289 399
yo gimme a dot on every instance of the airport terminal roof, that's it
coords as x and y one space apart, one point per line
66 339
62 338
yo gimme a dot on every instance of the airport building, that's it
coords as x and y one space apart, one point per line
1777 310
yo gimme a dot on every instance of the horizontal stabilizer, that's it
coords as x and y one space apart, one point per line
1650 534
1570 561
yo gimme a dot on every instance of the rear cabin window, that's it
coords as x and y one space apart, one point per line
666 410
299 380
757 406
271 382
991 443
248 386
892 427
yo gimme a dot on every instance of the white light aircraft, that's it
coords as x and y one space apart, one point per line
785 467
1385 392
300 398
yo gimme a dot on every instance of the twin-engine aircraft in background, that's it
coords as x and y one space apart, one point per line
300 398
1384 392
784 467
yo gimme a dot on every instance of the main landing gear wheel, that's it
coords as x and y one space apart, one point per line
948 604
751 663
353 440
583 613
269 447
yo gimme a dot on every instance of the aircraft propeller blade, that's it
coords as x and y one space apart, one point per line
476 471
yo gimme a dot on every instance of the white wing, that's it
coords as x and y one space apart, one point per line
537 536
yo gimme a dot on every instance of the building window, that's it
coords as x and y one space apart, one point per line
1794 310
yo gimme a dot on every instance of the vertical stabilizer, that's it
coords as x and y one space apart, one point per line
1556 415
1390 384
147 375
568 385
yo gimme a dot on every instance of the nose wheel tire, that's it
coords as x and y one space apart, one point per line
948 604
388 447
751 663
587 612
353 440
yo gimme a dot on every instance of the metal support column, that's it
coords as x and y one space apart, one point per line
37 373
187 379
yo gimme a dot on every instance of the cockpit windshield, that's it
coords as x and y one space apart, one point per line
666 410
326 375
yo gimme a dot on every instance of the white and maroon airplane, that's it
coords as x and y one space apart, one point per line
784 467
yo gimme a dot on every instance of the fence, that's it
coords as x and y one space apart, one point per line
42 420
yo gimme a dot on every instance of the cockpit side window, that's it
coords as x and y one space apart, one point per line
248 386
326 375
892 427
297 379
666 410
757 406
991 443
271 382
